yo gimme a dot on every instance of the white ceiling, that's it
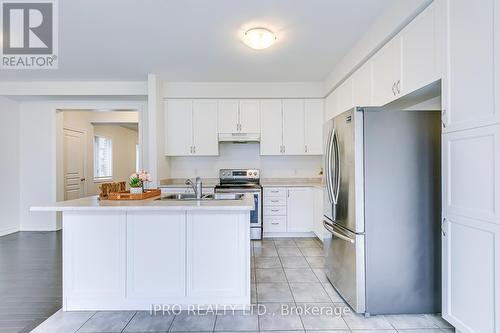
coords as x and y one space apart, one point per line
199 40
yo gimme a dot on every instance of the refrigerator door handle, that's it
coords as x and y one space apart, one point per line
328 168
329 159
337 167
331 229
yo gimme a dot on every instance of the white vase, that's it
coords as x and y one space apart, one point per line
135 190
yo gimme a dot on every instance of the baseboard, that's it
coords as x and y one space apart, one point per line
10 230
39 228
289 234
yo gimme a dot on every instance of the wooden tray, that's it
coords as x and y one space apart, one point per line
127 196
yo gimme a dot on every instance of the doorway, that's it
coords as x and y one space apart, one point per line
97 147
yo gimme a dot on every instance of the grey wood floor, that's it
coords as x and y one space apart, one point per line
30 279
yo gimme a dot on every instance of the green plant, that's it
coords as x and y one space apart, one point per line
135 181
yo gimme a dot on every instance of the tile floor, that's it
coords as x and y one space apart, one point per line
286 274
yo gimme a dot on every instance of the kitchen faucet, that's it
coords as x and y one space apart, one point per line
197 188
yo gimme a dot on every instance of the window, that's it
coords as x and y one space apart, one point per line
103 158
137 166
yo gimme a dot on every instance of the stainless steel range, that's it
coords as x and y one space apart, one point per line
244 181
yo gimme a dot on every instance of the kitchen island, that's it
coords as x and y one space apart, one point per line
133 255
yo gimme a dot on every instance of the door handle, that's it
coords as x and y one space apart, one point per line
444 119
336 234
82 179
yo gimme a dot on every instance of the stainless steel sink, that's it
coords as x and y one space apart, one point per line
192 197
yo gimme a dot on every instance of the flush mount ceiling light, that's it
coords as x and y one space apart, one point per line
259 38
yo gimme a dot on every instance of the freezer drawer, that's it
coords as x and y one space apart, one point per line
345 265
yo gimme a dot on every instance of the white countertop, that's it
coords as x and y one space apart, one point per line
180 182
94 204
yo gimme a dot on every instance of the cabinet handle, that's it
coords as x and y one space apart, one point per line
284 148
398 86
191 149
275 210
274 223
275 201
444 119
442 225
194 149
393 87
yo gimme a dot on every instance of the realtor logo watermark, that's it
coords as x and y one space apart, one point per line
29 34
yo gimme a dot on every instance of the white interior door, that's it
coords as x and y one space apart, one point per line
228 116
74 164
271 134
205 140
250 116
293 127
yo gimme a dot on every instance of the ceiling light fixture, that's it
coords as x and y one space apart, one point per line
259 38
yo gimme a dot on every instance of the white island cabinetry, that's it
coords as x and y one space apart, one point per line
129 256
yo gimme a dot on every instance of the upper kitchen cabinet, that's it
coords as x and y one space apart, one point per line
205 140
271 131
344 96
386 69
236 116
420 42
362 85
191 128
313 120
229 116
473 62
293 127
249 116
411 60
178 127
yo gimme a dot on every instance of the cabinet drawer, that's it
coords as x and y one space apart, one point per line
275 211
274 201
274 192
274 224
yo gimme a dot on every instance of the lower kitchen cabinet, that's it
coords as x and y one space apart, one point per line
150 273
288 210
300 209
471 266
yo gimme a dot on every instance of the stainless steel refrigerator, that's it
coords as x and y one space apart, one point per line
382 210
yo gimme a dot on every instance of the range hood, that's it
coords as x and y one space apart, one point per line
239 137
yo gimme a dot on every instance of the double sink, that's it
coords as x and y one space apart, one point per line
192 197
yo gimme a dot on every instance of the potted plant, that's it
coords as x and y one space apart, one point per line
137 181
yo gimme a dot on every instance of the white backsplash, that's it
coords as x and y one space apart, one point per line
245 156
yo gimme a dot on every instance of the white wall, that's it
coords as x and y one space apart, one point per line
41 138
9 168
245 156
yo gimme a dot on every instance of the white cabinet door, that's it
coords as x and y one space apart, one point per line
318 213
300 209
106 252
470 55
362 85
344 99
249 116
419 54
205 140
331 105
178 127
386 69
150 273
228 116
271 133
293 127
313 120
471 266
215 268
